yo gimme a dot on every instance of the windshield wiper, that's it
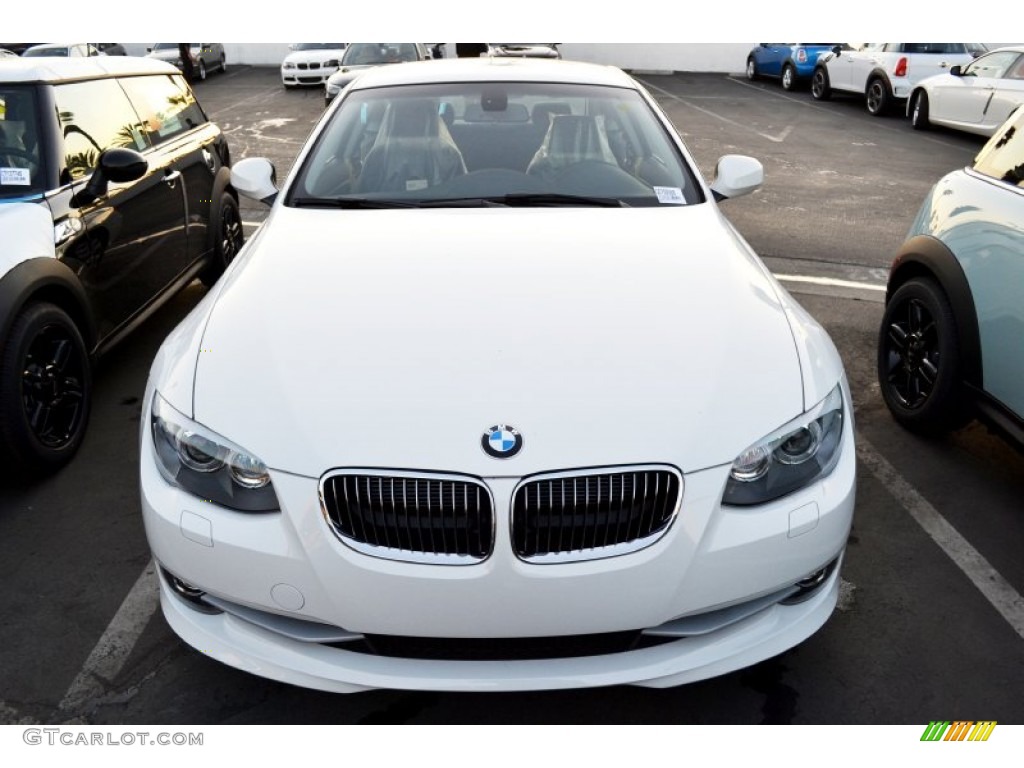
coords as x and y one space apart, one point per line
553 198
349 202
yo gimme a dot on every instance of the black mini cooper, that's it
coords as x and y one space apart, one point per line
114 195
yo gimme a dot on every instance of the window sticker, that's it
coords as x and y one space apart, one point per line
415 184
669 195
15 177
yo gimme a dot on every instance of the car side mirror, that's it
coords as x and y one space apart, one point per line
256 178
837 49
117 164
956 70
736 175
149 50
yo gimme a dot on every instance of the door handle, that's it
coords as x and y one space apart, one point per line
171 178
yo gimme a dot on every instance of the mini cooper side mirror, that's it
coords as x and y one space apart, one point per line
255 177
117 164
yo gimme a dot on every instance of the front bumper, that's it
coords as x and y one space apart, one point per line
251 648
307 76
290 564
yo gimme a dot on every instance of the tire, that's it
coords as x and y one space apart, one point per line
919 361
919 111
227 238
821 90
877 96
789 78
45 392
752 73
201 70
223 63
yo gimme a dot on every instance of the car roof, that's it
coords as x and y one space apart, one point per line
59 69
487 69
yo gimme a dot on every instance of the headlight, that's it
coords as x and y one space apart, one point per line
207 465
331 63
288 65
789 458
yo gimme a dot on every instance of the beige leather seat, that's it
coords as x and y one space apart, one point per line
571 139
413 151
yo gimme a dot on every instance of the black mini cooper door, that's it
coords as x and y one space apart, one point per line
135 241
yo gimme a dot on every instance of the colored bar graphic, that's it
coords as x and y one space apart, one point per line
958 730
935 730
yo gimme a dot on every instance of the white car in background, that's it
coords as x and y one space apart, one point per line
63 49
529 413
977 98
885 73
311 63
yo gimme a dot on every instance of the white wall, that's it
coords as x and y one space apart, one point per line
681 57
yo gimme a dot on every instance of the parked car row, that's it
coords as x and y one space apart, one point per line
957 85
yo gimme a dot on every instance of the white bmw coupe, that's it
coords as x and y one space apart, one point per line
497 399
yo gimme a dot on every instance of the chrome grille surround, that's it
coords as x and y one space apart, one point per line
642 500
411 516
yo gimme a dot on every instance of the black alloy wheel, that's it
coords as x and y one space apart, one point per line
228 238
45 390
918 359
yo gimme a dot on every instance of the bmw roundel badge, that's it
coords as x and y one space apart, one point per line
501 441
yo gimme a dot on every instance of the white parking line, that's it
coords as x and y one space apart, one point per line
990 583
777 139
831 281
116 644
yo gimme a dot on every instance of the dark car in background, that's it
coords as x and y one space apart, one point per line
205 57
114 195
362 56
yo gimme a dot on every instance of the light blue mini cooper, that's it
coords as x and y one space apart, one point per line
951 344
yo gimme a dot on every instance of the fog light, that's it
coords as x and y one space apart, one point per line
190 594
808 587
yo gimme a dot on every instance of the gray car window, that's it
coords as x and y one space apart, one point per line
94 116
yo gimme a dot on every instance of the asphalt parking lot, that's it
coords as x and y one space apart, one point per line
930 623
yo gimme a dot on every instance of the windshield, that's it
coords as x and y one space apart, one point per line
318 46
50 51
379 53
494 143
21 171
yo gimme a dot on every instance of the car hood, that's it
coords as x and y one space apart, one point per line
395 338
317 55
